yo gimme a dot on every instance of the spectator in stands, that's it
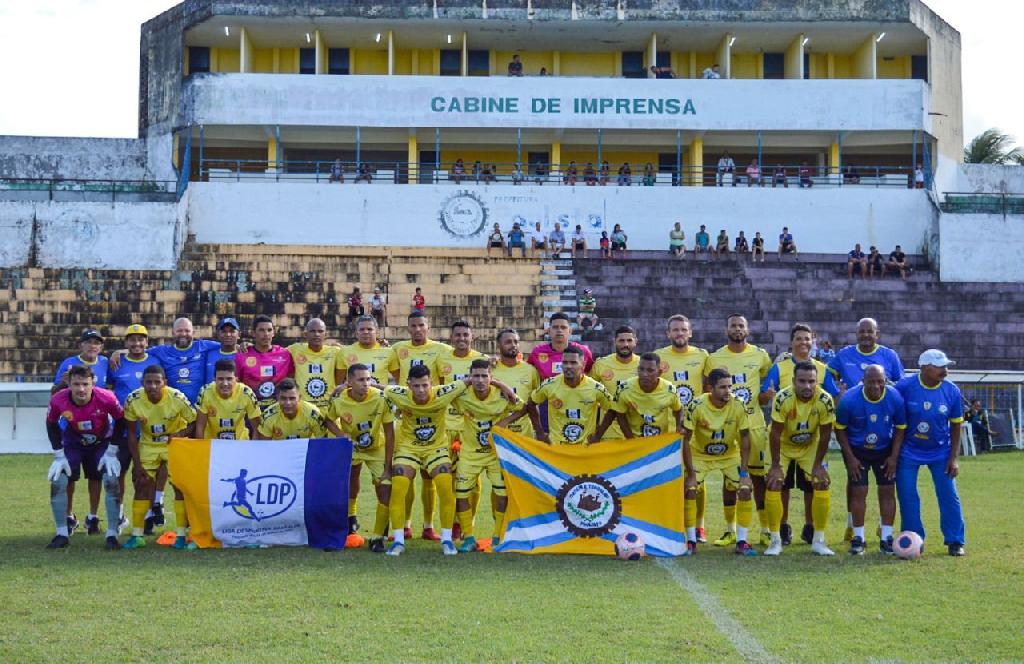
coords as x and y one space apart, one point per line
804 173
726 166
540 173
458 170
712 72
875 265
918 177
543 71
355 305
649 176
677 241
496 240
337 172
662 72
757 248
604 173
722 244
557 239
516 240
589 175
364 173
897 261
586 311
538 240
779 177
619 240
477 171
569 177
515 68
753 174
487 173
579 242
379 307
977 417
851 175
606 245
786 244
702 243
625 175
741 244
517 175
856 262
419 303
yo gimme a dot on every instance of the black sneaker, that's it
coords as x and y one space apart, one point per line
885 546
112 544
353 525
378 545
158 514
786 532
956 549
857 546
807 534
147 528
92 525
58 542
72 524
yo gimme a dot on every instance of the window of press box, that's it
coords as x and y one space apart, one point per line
663 60
451 62
307 60
337 61
775 65
479 63
919 67
633 64
198 59
807 65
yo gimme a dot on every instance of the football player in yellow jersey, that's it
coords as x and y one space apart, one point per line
684 366
224 405
716 437
645 405
481 407
517 373
367 350
802 418
419 350
316 365
291 417
364 415
748 365
614 370
162 413
573 401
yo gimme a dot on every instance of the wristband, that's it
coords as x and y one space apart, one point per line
744 474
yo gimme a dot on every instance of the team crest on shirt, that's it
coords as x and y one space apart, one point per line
874 417
250 362
542 358
346 418
685 394
943 409
871 440
557 404
266 389
183 372
742 393
607 374
927 405
67 415
588 505
572 432
403 353
316 387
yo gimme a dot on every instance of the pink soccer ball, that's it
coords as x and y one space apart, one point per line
907 545
630 546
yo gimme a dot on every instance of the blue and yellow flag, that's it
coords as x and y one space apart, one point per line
579 499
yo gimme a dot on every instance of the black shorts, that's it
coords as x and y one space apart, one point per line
795 478
875 460
579 245
496 244
621 246
788 247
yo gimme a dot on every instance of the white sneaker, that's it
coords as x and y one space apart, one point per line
396 549
774 546
448 548
819 547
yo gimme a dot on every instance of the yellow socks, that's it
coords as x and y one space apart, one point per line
466 520
446 495
396 508
702 503
139 509
690 509
180 517
380 521
730 517
353 506
428 497
820 505
499 522
773 509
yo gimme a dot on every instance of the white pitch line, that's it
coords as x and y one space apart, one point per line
749 648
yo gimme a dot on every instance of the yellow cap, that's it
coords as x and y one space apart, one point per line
136 329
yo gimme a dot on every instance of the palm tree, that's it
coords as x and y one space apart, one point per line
992 147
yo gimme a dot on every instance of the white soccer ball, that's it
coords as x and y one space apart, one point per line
907 545
629 546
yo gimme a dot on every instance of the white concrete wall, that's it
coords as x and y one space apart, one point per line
988 178
823 220
981 247
50 157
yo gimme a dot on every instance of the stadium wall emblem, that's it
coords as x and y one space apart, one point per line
463 214
589 505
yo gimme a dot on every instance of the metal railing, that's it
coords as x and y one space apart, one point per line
60 189
983 203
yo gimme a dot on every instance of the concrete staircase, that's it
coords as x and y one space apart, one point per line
979 324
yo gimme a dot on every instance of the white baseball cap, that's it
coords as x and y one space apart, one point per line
934 357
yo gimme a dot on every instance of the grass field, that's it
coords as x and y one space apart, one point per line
86 604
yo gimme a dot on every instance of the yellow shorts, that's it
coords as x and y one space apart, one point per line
474 464
152 455
729 466
756 460
428 458
372 459
803 457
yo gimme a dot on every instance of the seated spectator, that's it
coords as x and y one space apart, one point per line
851 175
496 240
606 245
786 244
586 308
569 177
557 240
487 174
516 240
579 241
355 305
337 172
419 303
649 176
604 173
677 241
515 68
702 242
981 430
712 73
897 261
875 265
753 174
804 173
540 173
477 171
756 248
741 244
918 177
726 166
379 307
856 262
589 175
517 174
625 175
619 240
779 177
662 72
364 173
722 244
538 240
458 171
543 71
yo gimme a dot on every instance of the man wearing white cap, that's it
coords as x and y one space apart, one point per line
934 415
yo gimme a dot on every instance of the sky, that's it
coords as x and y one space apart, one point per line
79 73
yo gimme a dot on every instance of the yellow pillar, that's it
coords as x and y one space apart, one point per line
271 153
175 143
864 62
556 63
214 59
391 53
321 53
697 162
414 57
436 64
794 63
618 64
652 54
831 65
693 64
276 68
556 155
492 60
724 56
245 51
833 159
464 66
414 160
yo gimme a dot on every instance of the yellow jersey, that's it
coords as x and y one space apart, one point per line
453 368
362 421
480 416
405 355
375 357
158 420
308 422
423 425
748 368
523 379
572 411
685 371
801 420
225 418
613 374
314 372
715 431
648 413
